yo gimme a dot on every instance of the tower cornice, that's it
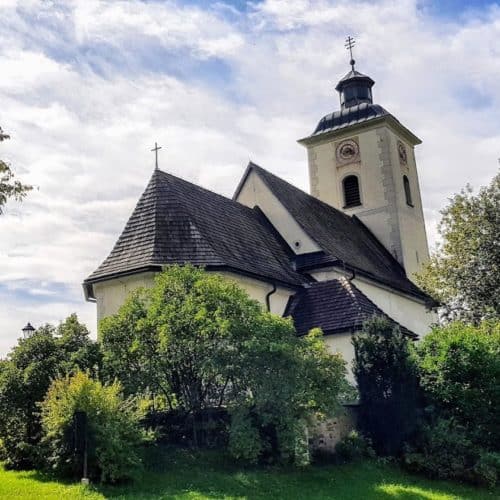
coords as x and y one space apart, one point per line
373 123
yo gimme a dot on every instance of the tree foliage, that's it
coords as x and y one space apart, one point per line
25 376
386 374
460 373
459 369
10 188
201 342
113 426
464 272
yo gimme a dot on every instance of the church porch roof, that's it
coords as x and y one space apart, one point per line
335 306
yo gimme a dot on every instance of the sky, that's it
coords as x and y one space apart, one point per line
88 86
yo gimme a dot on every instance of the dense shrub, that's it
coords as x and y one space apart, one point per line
486 470
354 447
114 433
460 373
25 376
444 450
245 438
459 368
386 373
175 427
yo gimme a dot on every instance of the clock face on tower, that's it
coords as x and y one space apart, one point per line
403 157
347 151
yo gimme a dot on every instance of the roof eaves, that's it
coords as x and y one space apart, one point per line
260 277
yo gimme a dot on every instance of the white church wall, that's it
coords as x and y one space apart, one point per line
406 311
255 192
341 343
258 290
409 312
111 294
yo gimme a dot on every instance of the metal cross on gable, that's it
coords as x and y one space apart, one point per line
349 44
156 149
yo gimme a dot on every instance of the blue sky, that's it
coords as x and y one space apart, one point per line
88 86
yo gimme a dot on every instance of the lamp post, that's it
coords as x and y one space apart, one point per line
28 330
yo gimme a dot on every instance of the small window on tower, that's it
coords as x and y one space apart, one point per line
406 184
352 197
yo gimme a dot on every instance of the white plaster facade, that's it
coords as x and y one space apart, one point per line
111 294
341 343
258 290
254 192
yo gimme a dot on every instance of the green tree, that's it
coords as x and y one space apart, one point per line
460 373
25 376
200 341
386 374
113 424
464 272
10 188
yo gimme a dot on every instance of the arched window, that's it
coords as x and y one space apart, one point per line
406 184
352 197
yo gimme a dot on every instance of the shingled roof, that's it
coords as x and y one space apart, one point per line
177 222
335 306
343 238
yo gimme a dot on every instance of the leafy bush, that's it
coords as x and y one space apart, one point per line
445 451
460 373
245 441
386 373
487 469
200 341
26 375
354 447
114 433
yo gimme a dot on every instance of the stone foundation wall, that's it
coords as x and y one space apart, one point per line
323 436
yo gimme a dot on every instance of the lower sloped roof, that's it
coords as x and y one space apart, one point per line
335 306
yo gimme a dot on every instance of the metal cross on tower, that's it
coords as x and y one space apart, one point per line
156 149
349 44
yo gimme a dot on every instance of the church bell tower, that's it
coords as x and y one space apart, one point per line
362 162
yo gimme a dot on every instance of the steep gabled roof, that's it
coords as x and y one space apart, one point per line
335 306
341 237
177 222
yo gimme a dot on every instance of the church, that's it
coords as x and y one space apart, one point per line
330 259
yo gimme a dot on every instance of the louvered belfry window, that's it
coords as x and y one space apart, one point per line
406 184
352 197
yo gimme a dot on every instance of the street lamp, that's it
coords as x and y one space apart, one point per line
28 330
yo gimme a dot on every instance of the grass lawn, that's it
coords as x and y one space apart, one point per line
183 475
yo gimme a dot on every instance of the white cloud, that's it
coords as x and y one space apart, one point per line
84 101
169 24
